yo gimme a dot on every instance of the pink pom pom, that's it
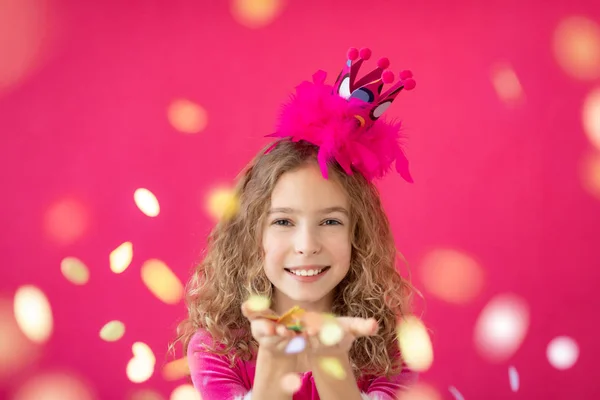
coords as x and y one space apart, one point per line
387 76
405 74
383 63
352 54
409 84
365 53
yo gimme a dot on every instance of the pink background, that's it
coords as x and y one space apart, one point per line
86 120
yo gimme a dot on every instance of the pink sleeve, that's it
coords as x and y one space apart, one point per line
382 388
211 375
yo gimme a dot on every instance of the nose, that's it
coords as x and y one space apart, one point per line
307 242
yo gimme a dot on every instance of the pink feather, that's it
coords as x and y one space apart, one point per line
316 115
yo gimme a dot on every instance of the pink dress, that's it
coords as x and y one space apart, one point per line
214 379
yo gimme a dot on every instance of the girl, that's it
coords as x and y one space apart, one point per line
310 231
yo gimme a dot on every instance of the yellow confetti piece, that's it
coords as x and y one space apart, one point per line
185 392
162 282
141 367
146 202
331 333
577 47
74 270
33 313
258 303
187 116
175 370
112 331
120 258
333 367
256 13
415 344
222 203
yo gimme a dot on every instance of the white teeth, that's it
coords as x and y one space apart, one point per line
309 272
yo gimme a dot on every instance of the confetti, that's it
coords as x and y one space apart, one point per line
331 333
177 369
146 202
112 331
296 345
333 367
562 352
121 257
33 313
291 383
258 303
454 391
141 367
415 344
187 116
54 386
501 327
162 282
513 378
74 270
185 392
222 204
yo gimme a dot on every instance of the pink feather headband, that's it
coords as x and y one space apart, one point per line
343 119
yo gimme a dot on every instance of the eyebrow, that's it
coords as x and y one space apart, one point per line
328 210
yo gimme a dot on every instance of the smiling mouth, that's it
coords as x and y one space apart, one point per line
314 272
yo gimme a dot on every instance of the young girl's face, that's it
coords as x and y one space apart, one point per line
307 231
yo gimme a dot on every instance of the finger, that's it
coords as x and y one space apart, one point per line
364 327
262 328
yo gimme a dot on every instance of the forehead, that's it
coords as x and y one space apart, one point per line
306 189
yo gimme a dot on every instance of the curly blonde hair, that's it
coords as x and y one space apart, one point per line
232 268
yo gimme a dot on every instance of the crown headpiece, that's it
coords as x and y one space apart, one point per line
343 120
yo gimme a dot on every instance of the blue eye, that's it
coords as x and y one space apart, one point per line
282 222
332 222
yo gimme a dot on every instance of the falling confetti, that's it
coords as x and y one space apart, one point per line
513 378
145 394
506 83
162 282
415 344
146 202
296 345
66 221
331 333
451 275
577 47
112 331
121 257
333 367
185 392
454 392
75 271
501 327
291 383
256 13
258 303
590 173
187 116
141 367
55 386
562 352
16 351
421 391
222 204
175 370
33 313
591 117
